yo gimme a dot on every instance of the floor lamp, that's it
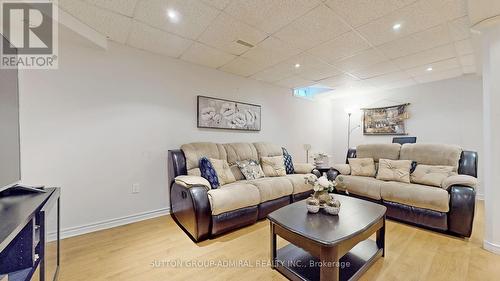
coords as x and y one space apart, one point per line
349 130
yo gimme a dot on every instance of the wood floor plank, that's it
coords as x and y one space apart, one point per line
158 250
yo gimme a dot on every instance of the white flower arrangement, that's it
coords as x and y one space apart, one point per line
320 184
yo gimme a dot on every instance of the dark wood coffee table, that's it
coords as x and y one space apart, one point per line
326 247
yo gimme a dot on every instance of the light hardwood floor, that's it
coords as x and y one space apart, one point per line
129 253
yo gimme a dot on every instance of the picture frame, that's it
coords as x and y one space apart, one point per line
389 120
218 113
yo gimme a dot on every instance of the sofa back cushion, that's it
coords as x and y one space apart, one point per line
266 149
195 151
432 154
240 151
379 151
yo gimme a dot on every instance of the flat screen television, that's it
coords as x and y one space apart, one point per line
10 151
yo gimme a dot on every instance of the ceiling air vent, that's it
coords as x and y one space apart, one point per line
246 44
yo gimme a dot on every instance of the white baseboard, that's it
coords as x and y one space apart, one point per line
83 229
494 248
480 196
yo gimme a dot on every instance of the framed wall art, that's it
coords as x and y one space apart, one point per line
389 120
218 113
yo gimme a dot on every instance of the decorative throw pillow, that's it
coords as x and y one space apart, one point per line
223 171
208 172
364 167
273 166
394 170
250 169
431 175
287 158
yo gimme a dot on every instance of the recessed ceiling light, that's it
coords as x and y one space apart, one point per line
429 68
396 26
173 15
297 65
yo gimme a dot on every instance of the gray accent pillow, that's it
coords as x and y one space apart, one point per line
250 169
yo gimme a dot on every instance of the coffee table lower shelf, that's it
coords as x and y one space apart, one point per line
295 263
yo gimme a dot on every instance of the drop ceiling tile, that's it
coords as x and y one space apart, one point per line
451 9
224 31
416 17
312 68
340 47
337 81
354 87
359 12
269 15
464 47
442 75
428 56
207 56
315 27
468 60
468 69
361 60
460 28
219 4
294 82
124 7
385 79
112 25
273 74
148 38
270 51
397 84
243 67
194 16
376 70
417 42
436 66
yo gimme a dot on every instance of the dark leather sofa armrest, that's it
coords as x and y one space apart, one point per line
462 209
191 210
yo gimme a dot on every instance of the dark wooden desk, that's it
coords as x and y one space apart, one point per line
24 241
325 247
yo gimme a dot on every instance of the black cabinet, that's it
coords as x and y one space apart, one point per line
29 235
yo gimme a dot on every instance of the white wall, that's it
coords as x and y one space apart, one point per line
448 111
106 119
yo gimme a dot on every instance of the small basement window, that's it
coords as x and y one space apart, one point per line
309 92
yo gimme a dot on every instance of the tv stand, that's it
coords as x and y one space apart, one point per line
20 188
29 235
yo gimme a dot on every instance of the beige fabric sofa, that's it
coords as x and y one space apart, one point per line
231 205
437 207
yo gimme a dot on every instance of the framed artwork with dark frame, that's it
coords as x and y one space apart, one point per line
389 120
215 113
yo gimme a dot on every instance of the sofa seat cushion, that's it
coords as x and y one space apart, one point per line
299 183
232 197
272 188
421 196
364 186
